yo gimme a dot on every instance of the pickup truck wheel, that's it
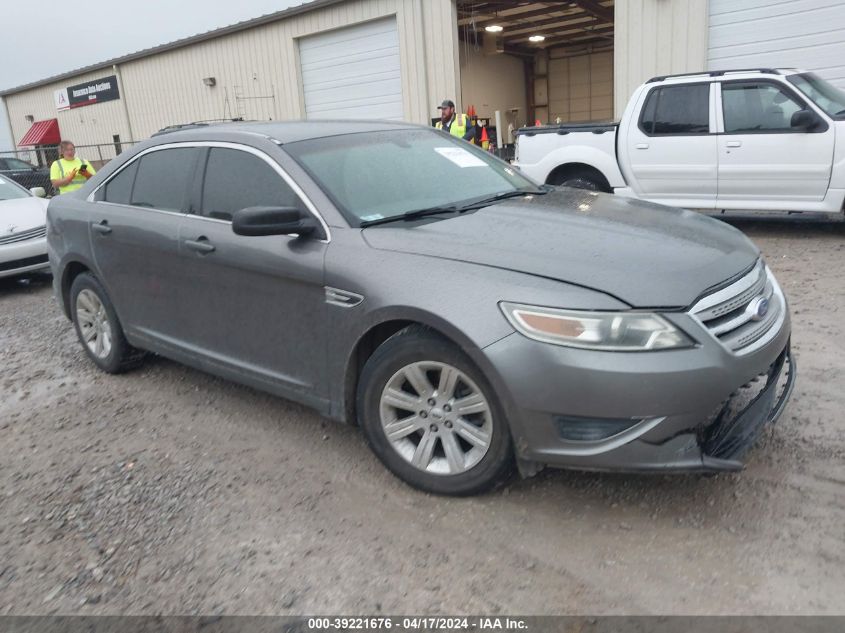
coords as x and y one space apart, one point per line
432 418
580 179
581 182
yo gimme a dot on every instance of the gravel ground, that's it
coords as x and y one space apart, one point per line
170 491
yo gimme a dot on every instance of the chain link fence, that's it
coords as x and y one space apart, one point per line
31 167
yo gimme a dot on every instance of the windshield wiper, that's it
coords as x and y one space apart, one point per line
505 195
411 215
442 210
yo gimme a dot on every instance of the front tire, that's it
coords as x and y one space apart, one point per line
431 416
98 327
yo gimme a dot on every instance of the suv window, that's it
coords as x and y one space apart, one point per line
677 110
119 189
162 179
757 107
236 180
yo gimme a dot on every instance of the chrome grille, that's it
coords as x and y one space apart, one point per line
22 236
730 315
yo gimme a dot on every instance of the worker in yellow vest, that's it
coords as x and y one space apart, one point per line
69 173
455 124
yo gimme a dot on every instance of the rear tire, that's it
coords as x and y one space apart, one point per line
581 179
98 327
431 416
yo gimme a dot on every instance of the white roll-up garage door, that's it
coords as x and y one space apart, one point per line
808 34
353 73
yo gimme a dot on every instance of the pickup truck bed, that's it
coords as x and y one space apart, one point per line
589 149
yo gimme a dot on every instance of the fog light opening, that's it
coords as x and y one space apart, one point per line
575 429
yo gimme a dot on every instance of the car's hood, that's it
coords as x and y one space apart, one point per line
22 214
645 254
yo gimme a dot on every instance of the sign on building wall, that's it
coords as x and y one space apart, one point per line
89 93
62 102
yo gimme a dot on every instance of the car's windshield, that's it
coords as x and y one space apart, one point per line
386 174
11 191
827 96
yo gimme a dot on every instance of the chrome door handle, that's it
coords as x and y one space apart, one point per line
733 144
201 246
102 228
641 146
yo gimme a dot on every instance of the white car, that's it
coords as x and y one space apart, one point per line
23 231
770 140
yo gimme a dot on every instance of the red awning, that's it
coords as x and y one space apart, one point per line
42 133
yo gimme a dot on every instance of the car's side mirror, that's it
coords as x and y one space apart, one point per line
38 192
804 120
254 221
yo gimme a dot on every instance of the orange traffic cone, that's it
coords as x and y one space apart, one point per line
485 140
471 112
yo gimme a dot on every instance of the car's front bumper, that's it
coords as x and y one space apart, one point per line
697 409
23 257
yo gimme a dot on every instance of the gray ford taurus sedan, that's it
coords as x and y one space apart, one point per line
469 320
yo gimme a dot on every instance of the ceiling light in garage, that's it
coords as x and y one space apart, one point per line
494 28
537 38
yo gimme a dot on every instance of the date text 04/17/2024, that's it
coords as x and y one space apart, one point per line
417 624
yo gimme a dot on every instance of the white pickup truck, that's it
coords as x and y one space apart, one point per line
743 140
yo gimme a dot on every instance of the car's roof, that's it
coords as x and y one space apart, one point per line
281 131
17 159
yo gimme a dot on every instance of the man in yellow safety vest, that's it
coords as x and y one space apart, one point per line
455 124
69 173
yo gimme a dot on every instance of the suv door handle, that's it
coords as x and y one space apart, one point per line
201 245
733 144
641 146
102 227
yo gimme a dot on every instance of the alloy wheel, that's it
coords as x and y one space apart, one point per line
436 418
94 325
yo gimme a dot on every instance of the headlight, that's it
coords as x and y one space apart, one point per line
606 331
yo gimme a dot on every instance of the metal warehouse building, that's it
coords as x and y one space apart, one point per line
397 59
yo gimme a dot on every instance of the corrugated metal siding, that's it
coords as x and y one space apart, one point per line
581 87
440 37
257 73
656 37
808 34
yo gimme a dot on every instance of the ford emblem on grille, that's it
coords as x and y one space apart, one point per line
759 308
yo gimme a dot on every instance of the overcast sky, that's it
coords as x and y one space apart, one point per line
51 37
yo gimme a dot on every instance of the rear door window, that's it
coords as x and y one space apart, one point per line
677 110
163 179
